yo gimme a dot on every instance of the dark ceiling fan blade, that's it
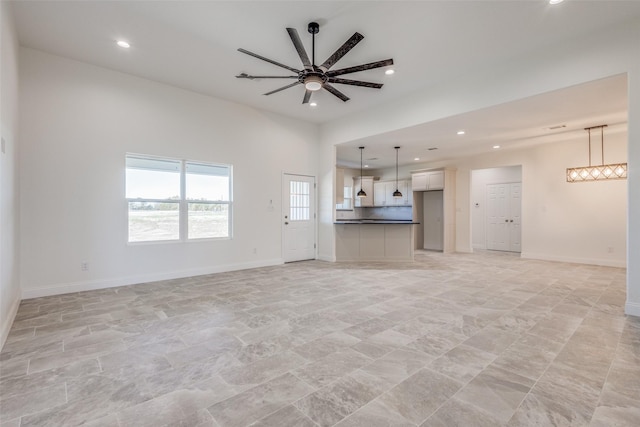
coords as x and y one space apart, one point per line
297 43
271 61
342 51
307 96
354 83
362 67
283 88
335 92
246 76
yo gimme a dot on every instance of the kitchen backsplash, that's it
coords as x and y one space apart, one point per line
390 212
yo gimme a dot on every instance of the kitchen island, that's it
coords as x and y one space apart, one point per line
374 240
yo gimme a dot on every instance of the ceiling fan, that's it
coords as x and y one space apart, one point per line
315 77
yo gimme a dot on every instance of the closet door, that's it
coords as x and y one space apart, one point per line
497 217
515 220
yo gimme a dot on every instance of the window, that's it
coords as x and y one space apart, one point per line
299 201
172 199
346 204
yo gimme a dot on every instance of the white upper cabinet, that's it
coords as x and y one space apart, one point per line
427 181
383 193
339 185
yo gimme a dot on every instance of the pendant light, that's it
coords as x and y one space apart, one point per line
600 172
397 194
361 193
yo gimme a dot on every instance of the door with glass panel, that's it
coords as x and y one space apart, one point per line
298 195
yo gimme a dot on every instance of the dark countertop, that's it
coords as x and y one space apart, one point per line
376 221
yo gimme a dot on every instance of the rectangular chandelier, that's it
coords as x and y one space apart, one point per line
597 173
600 172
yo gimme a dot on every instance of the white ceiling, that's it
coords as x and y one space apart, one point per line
193 45
518 124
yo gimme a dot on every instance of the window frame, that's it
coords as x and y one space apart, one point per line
182 202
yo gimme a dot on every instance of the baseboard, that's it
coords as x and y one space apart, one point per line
66 288
8 322
632 309
326 258
589 261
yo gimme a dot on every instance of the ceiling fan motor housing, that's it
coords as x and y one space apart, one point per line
313 28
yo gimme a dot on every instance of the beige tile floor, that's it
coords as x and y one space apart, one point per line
483 339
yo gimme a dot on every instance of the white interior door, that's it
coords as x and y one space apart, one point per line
432 222
503 217
515 202
298 194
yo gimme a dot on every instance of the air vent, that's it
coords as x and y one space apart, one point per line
432 148
557 127
372 159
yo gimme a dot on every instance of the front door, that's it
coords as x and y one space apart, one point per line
299 231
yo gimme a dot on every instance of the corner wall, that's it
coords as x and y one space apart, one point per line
78 121
9 213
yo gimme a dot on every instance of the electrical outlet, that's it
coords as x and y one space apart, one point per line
84 266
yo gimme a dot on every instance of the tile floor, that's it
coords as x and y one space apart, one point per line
483 339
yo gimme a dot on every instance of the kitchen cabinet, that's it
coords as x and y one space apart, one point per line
339 185
367 187
427 181
383 193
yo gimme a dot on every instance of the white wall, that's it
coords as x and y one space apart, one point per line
598 55
480 178
561 221
9 217
77 123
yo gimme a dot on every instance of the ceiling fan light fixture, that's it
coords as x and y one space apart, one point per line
313 83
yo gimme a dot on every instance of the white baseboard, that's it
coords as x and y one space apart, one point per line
8 322
66 288
326 258
632 309
589 261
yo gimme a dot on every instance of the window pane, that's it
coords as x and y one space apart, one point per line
299 201
208 220
152 184
153 221
207 187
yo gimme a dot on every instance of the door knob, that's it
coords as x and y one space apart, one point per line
506 220
286 223
511 221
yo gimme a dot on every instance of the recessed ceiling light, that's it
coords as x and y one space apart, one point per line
366 166
555 1
416 158
313 104
496 146
123 44
460 132
389 72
